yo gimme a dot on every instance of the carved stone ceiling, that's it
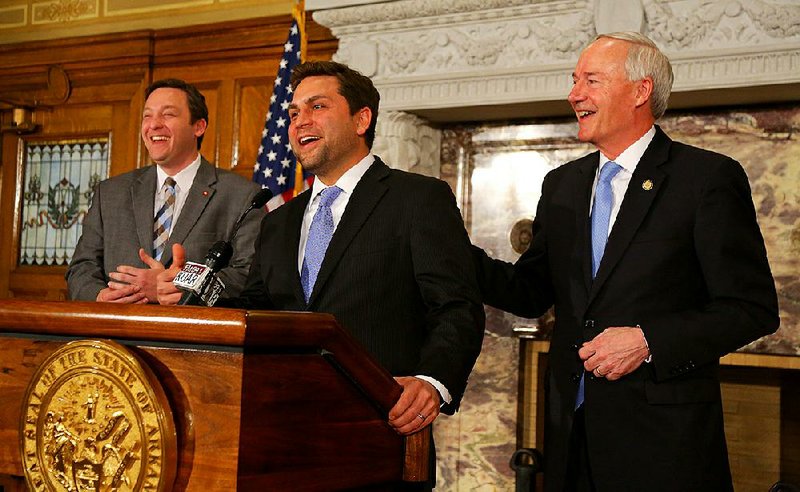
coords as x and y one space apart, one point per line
482 59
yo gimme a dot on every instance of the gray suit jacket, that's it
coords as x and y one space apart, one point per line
120 221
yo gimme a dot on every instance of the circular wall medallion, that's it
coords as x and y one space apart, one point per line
521 235
94 418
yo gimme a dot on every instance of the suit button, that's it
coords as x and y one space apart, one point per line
575 377
589 323
575 346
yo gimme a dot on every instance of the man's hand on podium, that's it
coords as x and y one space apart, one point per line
417 407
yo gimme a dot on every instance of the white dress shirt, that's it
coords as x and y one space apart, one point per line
347 183
183 183
628 160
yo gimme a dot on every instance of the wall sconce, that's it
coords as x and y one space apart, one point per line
21 121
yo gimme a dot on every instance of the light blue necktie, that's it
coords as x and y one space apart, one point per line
319 236
601 216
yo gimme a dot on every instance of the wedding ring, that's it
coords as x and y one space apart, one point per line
422 417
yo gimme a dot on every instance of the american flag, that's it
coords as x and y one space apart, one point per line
276 167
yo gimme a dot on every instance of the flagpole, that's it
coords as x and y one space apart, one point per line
299 13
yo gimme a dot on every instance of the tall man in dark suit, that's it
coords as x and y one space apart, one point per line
643 313
383 250
136 217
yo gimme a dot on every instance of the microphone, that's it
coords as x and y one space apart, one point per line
259 200
198 281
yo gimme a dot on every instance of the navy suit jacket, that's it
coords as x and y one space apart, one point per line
397 275
686 261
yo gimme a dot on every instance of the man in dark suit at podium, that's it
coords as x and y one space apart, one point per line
383 250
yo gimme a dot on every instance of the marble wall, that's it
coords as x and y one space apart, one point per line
497 170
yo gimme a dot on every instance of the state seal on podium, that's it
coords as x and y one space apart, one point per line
95 418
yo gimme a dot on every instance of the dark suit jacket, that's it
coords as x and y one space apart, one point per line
120 221
397 275
686 261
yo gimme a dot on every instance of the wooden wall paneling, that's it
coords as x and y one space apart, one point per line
251 106
106 76
790 428
232 63
226 133
85 120
242 58
7 201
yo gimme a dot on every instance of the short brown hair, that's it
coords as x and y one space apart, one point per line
197 102
356 88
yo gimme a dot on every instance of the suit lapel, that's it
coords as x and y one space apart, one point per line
644 186
587 168
200 194
294 223
366 196
143 196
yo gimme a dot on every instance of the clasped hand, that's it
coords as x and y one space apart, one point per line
615 352
132 285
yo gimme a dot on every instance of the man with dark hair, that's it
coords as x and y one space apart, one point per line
136 217
194 98
383 250
650 251
357 89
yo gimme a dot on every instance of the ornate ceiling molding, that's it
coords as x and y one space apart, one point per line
721 24
421 13
463 53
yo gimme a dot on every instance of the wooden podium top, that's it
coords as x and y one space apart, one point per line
261 400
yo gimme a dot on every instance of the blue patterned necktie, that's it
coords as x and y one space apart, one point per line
319 236
601 216
162 223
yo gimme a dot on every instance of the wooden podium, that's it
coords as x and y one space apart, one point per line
260 400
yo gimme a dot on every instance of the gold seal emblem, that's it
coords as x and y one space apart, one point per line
647 185
95 419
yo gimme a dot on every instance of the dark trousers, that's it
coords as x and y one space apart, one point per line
579 470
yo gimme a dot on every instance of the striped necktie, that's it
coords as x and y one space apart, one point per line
601 216
162 223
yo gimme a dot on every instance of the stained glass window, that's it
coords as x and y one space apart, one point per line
60 178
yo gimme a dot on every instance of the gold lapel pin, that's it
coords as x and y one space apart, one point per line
647 185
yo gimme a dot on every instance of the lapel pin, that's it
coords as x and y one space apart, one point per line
205 193
647 185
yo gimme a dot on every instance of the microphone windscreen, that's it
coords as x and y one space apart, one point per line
261 198
219 255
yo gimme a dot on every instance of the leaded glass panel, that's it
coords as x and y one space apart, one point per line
59 182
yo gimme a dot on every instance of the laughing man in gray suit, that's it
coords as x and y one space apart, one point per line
136 217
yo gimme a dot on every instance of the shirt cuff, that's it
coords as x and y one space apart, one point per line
443 393
649 358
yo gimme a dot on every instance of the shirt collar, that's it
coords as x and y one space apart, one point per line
630 157
348 181
184 178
